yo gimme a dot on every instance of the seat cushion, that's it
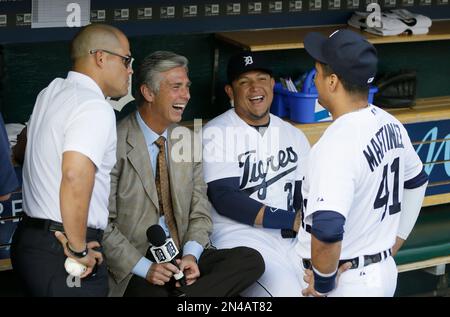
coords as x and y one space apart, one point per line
430 237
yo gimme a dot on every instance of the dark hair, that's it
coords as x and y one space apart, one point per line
352 89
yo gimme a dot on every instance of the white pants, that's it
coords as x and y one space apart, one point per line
375 280
283 273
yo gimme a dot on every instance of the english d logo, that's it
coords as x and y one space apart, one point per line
248 60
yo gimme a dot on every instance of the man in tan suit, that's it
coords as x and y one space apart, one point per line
137 200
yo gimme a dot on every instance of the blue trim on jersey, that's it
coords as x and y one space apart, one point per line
298 198
230 201
417 181
328 226
276 218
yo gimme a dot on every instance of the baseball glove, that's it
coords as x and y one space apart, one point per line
396 90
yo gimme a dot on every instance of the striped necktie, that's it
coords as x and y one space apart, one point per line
163 189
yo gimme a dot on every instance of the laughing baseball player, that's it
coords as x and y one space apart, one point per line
253 165
364 184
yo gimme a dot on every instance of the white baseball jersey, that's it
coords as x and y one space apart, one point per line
267 165
358 169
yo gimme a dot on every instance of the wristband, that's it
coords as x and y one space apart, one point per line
324 283
78 255
276 218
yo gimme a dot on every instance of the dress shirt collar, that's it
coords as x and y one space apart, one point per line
85 81
149 135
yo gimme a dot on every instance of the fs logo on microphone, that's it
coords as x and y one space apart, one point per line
164 253
171 248
159 255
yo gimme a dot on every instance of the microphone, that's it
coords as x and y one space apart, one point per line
163 250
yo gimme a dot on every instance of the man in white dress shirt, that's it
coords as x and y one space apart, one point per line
70 152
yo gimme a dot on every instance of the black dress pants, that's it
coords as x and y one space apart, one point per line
38 259
223 273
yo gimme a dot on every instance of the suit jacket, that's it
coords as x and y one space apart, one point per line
133 204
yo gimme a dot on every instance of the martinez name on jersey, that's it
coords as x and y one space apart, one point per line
387 138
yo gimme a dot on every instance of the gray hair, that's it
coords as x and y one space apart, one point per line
149 72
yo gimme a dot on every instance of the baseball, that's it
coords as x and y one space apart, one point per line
74 268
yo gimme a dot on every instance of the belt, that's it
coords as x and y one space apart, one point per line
356 262
50 225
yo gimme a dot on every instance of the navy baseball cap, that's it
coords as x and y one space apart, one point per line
244 62
349 54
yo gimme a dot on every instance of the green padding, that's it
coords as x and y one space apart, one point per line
422 254
430 237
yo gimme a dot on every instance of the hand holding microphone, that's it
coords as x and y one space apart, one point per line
163 250
190 268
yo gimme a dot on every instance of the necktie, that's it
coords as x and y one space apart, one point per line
163 189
